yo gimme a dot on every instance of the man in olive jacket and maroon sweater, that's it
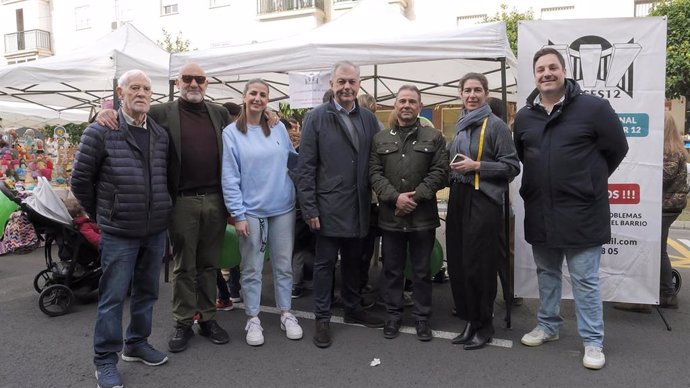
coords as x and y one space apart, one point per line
199 215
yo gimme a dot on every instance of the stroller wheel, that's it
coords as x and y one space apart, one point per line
43 279
55 300
677 281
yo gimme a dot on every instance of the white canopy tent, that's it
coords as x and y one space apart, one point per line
78 80
22 114
390 49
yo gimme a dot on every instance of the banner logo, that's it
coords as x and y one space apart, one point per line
601 68
311 78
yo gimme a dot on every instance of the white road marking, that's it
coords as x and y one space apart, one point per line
449 335
685 241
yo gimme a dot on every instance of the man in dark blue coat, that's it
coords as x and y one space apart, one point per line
120 179
569 143
335 195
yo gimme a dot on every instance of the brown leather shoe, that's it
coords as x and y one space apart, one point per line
322 334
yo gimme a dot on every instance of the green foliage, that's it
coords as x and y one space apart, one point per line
677 45
511 20
287 112
74 131
176 45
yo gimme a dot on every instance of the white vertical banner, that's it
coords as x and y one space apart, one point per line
306 89
624 61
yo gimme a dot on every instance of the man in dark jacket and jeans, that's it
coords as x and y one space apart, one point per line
334 194
408 165
569 143
120 179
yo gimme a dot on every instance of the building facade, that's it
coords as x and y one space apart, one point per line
34 29
37 28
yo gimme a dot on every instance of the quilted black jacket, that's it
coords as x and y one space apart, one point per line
111 182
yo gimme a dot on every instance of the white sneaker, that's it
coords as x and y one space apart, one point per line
537 337
255 335
289 324
594 358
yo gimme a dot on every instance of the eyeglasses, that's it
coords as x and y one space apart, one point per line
200 79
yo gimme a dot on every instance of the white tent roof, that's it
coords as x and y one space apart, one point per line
22 114
79 79
390 49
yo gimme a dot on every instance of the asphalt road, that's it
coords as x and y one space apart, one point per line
39 351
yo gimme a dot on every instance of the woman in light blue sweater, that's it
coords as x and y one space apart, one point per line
261 197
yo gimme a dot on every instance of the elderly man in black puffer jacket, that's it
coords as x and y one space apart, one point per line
120 178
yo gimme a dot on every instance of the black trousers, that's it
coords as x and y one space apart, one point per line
666 273
473 241
327 249
395 252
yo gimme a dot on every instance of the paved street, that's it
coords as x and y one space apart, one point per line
39 351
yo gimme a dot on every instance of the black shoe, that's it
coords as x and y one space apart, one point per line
423 330
368 301
364 318
391 328
477 341
322 334
180 338
297 292
214 332
467 333
441 276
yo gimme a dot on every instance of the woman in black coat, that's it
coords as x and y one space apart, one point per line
484 160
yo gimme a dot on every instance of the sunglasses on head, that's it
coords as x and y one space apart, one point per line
200 79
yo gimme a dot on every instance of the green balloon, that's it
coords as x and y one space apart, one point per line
230 255
7 206
436 260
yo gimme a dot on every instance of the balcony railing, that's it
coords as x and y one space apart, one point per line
31 40
272 6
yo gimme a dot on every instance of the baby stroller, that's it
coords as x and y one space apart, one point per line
76 271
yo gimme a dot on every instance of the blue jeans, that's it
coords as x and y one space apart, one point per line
125 262
276 234
583 265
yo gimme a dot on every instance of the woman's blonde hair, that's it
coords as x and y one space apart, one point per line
367 101
392 119
672 140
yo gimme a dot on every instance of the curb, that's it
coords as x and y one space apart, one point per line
681 225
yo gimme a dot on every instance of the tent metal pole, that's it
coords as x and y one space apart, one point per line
504 90
116 101
506 210
171 89
376 81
